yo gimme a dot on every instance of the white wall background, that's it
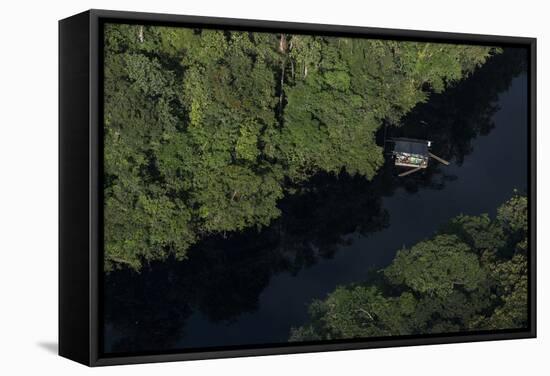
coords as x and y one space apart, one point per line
28 186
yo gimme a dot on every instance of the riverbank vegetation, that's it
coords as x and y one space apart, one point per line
206 130
471 275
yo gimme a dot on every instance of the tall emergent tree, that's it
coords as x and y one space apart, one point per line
206 130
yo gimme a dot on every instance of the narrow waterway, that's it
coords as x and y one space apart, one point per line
252 288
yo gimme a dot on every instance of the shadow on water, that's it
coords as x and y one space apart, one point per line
224 277
253 286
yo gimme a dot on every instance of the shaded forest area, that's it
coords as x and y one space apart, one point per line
206 131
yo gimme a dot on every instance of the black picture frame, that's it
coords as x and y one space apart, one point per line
80 184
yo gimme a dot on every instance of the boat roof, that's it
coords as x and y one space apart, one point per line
410 146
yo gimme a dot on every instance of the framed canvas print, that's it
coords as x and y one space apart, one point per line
236 187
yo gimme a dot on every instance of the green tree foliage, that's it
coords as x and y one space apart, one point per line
479 232
359 311
435 267
510 280
459 280
206 130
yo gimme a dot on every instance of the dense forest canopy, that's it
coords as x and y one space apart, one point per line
206 130
472 275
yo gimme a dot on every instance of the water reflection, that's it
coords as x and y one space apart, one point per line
454 119
230 289
224 277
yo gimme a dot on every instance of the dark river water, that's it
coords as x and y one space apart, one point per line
251 288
